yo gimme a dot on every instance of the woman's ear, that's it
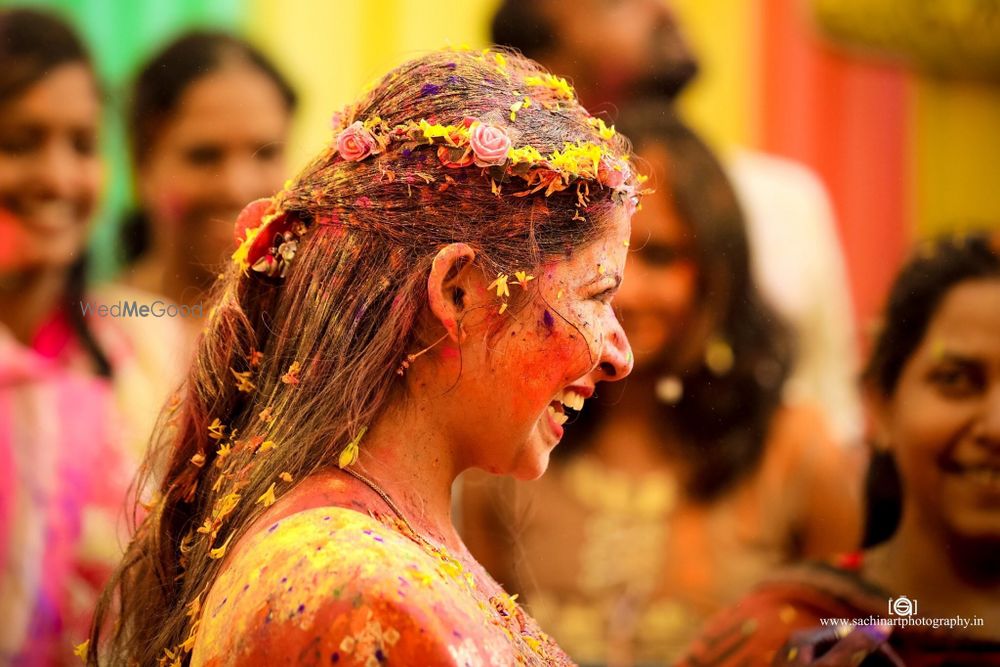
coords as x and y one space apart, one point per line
448 286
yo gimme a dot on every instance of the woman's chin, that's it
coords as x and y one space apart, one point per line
532 462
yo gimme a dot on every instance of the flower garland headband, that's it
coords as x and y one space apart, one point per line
268 238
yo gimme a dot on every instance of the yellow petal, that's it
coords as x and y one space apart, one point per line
219 552
81 650
286 477
267 498
348 456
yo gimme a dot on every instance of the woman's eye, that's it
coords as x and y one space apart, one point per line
957 380
267 152
17 144
85 144
203 156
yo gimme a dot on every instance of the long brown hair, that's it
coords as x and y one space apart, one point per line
317 354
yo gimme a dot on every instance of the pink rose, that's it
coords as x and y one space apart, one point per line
613 173
356 142
489 144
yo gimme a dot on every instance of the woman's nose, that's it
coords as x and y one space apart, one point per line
616 355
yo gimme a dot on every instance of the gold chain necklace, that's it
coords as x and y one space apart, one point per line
381 494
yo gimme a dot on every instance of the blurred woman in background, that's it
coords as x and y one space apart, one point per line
208 122
63 469
933 489
675 494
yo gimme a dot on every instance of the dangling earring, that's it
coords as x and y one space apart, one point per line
718 356
669 389
410 358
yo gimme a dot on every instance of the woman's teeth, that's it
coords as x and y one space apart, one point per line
558 417
571 399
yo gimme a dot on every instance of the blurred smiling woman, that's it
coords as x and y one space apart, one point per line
64 434
208 123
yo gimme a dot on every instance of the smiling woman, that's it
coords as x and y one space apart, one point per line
208 122
424 298
930 566
65 423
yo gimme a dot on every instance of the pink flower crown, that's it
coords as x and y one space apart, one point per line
268 239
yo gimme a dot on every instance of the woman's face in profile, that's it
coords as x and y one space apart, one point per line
519 374
943 421
223 147
50 169
657 296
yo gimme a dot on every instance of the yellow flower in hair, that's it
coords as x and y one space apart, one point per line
219 552
243 382
523 278
223 452
500 285
286 477
351 452
603 131
216 430
226 505
81 650
514 108
527 154
292 375
267 498
558 85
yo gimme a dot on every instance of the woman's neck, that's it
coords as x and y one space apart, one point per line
412 463
27 299
945 579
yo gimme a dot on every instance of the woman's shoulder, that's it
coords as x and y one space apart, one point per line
801 597
331 584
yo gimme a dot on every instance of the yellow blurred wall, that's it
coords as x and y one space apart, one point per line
333 48
955 154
